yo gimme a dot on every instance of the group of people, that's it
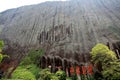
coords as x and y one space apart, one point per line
79 70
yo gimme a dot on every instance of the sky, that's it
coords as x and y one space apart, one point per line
8 4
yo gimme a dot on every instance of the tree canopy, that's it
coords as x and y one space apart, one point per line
110 64
101 53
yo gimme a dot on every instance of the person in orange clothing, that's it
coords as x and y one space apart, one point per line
77 70
90 72
90 69
84 70
71 70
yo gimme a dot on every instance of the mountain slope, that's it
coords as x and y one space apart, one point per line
66 29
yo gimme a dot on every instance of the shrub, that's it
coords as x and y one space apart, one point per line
35 55
31 61
1 57
101 53
26 61
61 75
34 70
1 44
68 78
45 74
112 71
1 47
22 73
107 58
53 77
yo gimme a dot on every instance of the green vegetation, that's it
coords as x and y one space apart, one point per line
101 53
112 71
23 73
1 47
29 66
35 55
61 75
26 61
107 58
45 74
1 44
1 57
26 72
34 70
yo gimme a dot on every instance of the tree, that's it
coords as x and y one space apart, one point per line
35 55
101 53
45 74
26 61
22 73
61 75
1 47
112 70
110 65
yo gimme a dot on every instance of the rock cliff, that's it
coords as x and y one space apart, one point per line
66 29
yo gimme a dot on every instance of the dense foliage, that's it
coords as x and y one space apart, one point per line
61 75
1 44
23 73
112 71
33 69
1 47
45 74
26 61
35 55
29 67
110 64
101 53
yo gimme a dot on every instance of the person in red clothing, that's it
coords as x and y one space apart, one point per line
84 70
71 70
77 70
90 69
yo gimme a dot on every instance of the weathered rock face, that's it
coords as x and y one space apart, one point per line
66 29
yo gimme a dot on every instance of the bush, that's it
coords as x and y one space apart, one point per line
68 78
45 74
1 44
107 58
61 75
112 71
34 70
53 77
26 61
31 61
35 55
22 73
1 57
1 47
101 53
